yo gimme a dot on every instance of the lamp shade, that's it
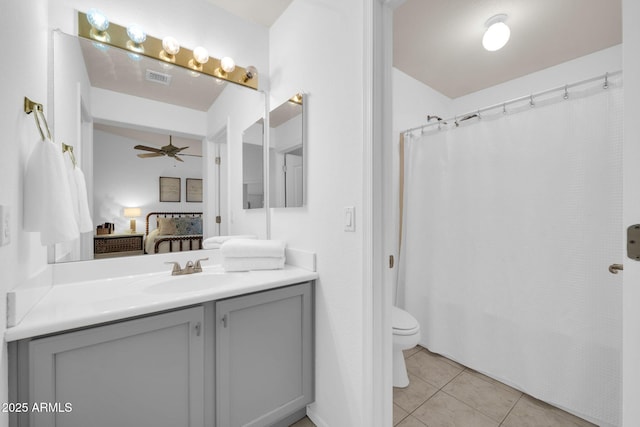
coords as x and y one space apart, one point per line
132 212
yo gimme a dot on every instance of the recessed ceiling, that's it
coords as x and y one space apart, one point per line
439 42
264 12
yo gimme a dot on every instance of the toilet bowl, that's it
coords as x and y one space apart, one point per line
406 334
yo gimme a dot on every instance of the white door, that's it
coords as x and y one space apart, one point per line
293 180
631 215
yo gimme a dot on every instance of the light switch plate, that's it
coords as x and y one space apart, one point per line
350 218
5 236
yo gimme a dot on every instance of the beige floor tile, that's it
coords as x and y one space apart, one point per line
399 414
491 380
411 421
530 412
486 397
432 368
411 351
443 410
305 422
441 357
414 395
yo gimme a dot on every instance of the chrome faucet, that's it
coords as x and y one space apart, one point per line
189 267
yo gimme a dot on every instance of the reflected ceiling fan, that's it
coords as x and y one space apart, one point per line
168 150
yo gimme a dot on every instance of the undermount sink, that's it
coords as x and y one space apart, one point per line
192 282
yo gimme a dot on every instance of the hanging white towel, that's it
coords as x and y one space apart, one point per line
248 248
216 241
48 205
79 197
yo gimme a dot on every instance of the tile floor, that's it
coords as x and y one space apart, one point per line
443 393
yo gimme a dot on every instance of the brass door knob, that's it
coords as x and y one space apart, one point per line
614 268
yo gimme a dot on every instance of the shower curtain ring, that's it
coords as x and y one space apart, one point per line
606 81
479 116
504 108
531 103
566 92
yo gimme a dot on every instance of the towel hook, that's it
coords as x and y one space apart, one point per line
69 149
33 107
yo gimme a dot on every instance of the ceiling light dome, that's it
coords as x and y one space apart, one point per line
497 34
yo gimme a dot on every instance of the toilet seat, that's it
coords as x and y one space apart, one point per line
403 323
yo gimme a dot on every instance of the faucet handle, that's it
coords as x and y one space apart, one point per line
198 267
176 267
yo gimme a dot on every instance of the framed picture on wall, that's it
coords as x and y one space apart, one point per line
169 189
194 190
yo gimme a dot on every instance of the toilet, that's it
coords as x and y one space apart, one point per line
406 334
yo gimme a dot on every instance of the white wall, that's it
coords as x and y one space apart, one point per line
24 257
310 45
582 68
122 179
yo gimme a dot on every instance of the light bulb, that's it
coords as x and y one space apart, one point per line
97 19
497 34
250 72
136 33
170 45
201 55
227 64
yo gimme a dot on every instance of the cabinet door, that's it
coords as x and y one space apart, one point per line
146 372
264 356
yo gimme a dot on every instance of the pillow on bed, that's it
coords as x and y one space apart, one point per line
188 226
166 226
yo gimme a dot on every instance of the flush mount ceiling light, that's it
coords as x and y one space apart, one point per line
497 34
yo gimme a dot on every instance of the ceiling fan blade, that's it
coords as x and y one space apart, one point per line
144 147
178 158
180 149
191 155
145 155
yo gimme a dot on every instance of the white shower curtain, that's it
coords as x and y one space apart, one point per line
510 224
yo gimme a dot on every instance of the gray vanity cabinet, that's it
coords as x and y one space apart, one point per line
146 372
264 357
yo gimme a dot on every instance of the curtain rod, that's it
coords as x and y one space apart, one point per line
458 118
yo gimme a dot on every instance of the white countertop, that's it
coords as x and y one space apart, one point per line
82 304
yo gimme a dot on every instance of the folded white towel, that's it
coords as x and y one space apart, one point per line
48 206
216 241
246 248
255 263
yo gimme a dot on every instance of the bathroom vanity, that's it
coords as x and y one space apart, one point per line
214 348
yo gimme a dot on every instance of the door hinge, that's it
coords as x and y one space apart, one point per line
391 261
198 328
218 219
633 242
224 321
218 160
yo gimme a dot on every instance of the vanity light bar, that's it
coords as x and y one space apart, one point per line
152 48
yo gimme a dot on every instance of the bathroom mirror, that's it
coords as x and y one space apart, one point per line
287 154
252 166
108 101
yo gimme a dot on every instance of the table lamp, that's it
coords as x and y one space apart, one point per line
132 213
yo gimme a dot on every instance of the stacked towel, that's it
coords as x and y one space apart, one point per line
48 204
216 241
250 254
